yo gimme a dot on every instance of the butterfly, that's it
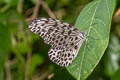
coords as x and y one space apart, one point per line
65 39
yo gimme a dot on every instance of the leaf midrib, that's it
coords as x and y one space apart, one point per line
79 76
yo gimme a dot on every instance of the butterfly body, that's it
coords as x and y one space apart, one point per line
65 39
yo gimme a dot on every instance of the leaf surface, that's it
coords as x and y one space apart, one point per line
95 19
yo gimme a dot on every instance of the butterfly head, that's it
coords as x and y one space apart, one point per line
83 35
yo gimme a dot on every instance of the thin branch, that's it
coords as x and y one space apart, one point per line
117 13
42 76
116 17
35 11
20 6
50 76
7 69
4 8
27 66
48 10
29 11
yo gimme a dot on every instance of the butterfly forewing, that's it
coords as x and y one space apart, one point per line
65 40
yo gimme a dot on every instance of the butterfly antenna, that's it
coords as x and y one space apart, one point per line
88 47
92 37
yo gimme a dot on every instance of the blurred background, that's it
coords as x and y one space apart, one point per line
23 55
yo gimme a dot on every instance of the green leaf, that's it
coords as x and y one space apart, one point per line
4 46
62 74
21 47
35 60
111 61
50 2
95 18
116 76
11 2
34 1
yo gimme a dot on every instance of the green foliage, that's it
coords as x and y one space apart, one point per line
34 1
60 76
116 76
50 2
108 68
11 2
24 55
97 24
35 60
5 44
113 57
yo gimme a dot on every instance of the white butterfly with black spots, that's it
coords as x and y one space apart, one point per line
65 39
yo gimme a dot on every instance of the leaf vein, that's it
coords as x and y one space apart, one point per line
108 9
98 34
79 77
